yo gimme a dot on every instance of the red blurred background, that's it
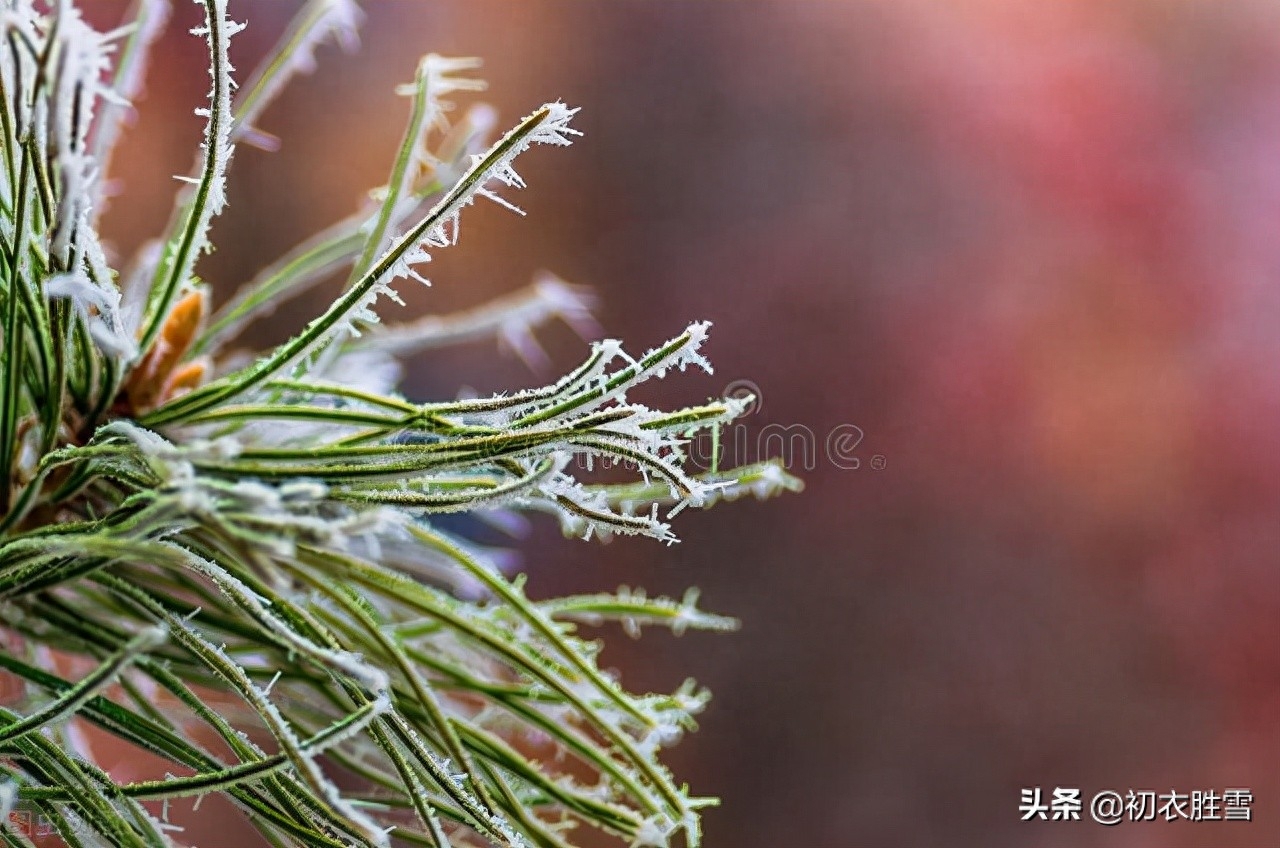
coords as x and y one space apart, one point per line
1029 249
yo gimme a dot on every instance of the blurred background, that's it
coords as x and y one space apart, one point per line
1012 266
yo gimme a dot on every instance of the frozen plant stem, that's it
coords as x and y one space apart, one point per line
219 548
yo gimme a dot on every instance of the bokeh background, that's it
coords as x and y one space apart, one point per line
1029 251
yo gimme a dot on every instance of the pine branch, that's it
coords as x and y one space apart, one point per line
232 548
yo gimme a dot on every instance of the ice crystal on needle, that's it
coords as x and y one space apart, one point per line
222 543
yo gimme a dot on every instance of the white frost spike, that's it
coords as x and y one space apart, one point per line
201 204
217 146
765 481
549 125
554 129
689 354
81 63
586 513
654 832
219 132
99 309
